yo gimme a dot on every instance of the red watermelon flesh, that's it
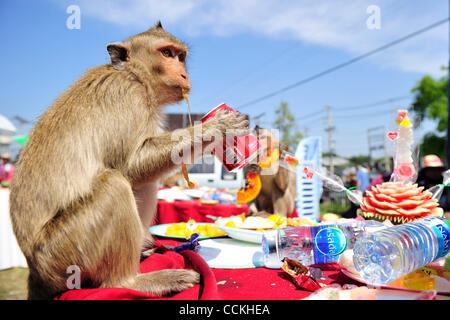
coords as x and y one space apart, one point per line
398 202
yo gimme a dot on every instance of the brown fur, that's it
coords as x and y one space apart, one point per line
84 190
278 190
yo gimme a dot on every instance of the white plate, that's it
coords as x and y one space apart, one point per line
194 193
172 194
243 234
231 254
160 230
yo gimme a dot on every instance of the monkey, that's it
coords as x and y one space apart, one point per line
85 187
172 180
278 190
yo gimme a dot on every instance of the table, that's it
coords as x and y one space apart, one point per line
10 253
182 211
263 283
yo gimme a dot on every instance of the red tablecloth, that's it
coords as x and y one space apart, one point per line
226 284
217 284
182 211
266 284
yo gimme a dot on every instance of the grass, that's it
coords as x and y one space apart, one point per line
334 207
13 284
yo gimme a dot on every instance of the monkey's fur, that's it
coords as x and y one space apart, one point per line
278 190
85 187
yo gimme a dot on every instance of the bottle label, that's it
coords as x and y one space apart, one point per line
329 243
442 231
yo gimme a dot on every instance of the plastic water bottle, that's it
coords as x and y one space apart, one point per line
313 245
386 255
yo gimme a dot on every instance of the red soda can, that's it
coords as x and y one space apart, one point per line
236 151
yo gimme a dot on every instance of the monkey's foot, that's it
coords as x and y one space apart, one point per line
165 282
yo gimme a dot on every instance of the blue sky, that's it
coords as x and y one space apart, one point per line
240 51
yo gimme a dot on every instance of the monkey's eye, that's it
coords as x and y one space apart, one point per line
166 53
182 57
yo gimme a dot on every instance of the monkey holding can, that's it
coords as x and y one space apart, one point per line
85 187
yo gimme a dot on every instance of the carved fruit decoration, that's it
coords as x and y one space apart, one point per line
399 203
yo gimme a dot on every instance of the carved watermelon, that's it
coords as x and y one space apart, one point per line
399 203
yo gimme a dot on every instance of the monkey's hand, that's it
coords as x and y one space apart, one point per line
228 123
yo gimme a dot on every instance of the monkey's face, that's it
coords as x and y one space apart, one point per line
171 65
163 55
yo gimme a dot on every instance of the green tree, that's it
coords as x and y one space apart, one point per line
361 160
431 102
285 123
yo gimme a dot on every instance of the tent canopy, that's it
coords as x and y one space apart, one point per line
6 125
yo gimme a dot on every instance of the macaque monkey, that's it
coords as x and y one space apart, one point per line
85 189
173 180
278 190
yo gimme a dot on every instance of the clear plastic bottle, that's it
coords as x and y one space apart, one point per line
313 245
386 255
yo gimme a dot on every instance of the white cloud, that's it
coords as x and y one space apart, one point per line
336 24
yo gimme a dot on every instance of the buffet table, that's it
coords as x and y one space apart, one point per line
256 284
265 284
217 284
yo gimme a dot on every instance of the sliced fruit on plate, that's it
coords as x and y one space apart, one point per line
258 223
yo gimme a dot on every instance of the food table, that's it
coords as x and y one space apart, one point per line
179 211
254 282
262 283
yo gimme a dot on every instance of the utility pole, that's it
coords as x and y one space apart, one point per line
330 138
369 145
376 140
306 132
387 163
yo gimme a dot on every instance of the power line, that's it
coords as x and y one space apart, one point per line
364 106
344 64
373 114
375 104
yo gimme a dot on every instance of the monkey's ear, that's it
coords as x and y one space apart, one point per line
159 25
119 54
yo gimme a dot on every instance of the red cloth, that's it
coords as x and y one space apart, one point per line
182 211
227 284
161 259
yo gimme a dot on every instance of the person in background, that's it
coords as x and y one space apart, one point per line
385 176
362 178
6 170
431 175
